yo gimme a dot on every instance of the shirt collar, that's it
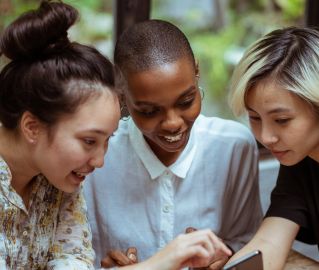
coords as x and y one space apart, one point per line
152 164
5 174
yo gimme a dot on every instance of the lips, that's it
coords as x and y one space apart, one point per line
279 154
174 138
81 174
175 142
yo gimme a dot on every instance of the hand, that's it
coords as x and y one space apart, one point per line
118 258
219 260
196 249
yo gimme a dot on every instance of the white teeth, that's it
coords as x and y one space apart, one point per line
173 138
79 174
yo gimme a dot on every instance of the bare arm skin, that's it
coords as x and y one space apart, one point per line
274 239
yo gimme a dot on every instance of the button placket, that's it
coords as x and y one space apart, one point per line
167 209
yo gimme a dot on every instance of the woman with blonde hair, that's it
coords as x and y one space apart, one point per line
276 83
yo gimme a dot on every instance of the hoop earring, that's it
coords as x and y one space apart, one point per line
202 92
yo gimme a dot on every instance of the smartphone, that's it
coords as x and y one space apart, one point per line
250 261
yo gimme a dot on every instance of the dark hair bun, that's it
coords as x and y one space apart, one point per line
38 32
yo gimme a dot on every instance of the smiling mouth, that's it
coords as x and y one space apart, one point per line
80 174
173 138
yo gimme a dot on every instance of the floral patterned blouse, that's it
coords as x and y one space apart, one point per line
52 234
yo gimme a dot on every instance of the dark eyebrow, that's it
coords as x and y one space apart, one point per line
148 103
276 110
98 131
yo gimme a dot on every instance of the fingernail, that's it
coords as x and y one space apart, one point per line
132 257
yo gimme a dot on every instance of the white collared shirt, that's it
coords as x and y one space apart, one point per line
135 200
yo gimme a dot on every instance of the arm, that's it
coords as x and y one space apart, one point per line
274 239
242 212
72 247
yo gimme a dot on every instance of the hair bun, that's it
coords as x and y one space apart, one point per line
38 32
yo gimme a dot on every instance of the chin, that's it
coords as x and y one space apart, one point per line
68 188
289 162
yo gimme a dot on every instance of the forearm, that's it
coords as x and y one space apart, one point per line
274 239
273 257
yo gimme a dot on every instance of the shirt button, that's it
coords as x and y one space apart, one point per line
25 233
166 209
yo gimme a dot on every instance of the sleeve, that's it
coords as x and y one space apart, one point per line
72 247
288 199
2 252
242 211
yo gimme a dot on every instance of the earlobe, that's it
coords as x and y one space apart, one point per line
30 127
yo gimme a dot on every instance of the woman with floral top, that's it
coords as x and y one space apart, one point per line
58 108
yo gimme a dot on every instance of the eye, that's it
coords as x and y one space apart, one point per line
88 141
148 113
253 118
282 121
187 102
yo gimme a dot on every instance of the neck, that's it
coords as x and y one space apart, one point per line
167 158
315 156
18 155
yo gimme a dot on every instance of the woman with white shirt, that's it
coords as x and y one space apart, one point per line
169 167
54 131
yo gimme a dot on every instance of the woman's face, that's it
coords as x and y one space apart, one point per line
78 142
283 122
164 102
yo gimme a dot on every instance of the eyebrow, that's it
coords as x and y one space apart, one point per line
98 131
185 93
276 110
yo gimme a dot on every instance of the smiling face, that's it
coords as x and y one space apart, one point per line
164 102
78 142
283 122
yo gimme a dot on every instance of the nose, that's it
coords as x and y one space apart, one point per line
268 136
173 121
97 160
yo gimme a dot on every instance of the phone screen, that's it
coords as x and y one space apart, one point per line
250 261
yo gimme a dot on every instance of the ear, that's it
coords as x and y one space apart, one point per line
30 127
196 68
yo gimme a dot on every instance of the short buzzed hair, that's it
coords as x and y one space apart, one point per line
149 44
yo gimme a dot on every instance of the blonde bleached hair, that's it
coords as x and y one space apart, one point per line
289 57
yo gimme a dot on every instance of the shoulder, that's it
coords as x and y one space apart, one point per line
123 128
307 169
224 129
120 138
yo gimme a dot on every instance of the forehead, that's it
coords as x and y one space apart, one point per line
98 112
166 78
271 95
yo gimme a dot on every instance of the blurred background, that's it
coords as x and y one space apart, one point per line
218 30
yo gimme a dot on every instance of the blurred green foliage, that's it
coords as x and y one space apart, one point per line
219 49
217 45
95 24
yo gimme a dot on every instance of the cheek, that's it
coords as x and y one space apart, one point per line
68 152
146 126
193 112
255 129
